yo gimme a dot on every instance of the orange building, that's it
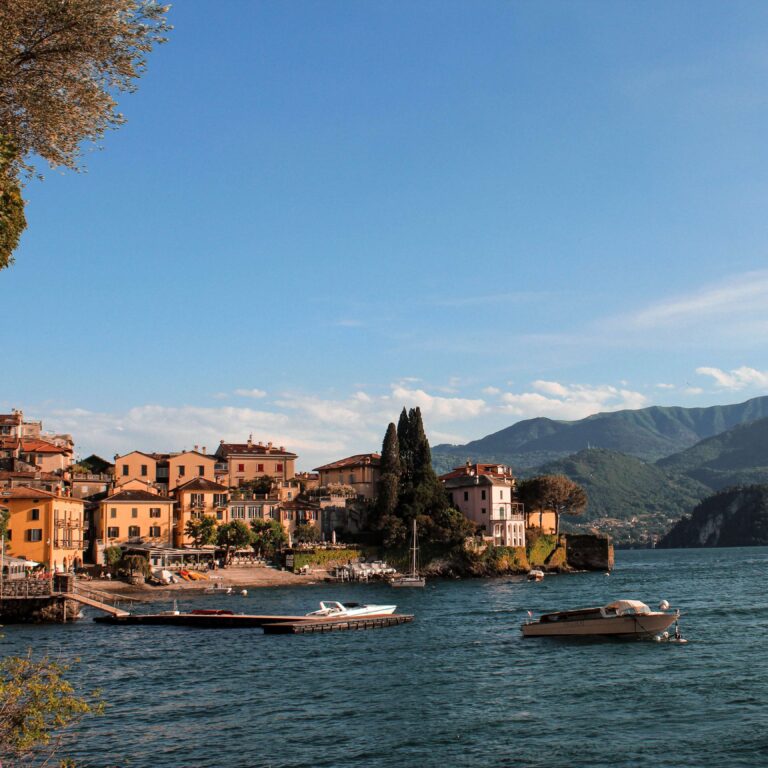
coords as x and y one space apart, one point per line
198 498
44 527
249 460
134 516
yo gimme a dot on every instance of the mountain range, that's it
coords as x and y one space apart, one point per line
643 470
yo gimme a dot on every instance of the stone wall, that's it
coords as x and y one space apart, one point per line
589 552
26 588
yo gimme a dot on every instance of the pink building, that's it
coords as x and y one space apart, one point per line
485 493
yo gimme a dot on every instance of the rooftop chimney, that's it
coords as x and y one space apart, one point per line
269 445
250 440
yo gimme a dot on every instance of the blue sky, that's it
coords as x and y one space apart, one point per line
320 212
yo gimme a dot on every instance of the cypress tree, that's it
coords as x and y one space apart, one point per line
389 482
406 448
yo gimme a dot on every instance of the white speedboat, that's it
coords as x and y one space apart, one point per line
331 609
621 618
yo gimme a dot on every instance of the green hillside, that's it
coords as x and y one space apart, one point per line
648 433
736 457
632 500
733 518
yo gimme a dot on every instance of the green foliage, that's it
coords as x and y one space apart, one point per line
261 485
268 536
112 556
324 558
556 492
135 564
37 706
5 516
501 560
736 517
539 546
12 219
390 470
233 536
306 533
202 530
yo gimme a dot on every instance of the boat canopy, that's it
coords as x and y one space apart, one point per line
627 607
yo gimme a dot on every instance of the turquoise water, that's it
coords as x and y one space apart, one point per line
458 687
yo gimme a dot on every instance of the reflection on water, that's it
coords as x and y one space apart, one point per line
458 687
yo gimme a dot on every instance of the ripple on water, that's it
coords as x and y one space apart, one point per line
458 687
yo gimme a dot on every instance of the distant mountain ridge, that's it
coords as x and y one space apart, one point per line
648 433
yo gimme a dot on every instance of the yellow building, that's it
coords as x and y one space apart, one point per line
361 472
44 527
197 498
248 461
133 517
164 470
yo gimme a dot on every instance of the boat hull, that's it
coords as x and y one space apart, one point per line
646 625
408 581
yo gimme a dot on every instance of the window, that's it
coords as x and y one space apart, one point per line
290 495
219 515
238 513
113 532
134 512
154 512
482 511
278 467
197 500
261 467
143 470
273 514
501 493
125 470
251 513
182 470
288 514
154 531
113 512
482 494
8 535
314 514
201 470
133 530
219 499
466 495
241 467
352 479
34 514
34 534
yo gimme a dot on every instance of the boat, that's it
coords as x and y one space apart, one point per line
412 578
332 610
621 618
535 574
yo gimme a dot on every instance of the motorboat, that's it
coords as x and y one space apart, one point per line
535 574
621 618
330 609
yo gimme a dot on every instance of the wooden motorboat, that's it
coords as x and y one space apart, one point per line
621 618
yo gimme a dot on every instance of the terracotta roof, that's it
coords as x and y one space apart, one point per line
137 496
471 470
358 460
252 449
31 444
24 492
201 484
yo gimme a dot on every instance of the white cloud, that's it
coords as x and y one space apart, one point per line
255 393
440 408
739 295
693 391
570 402
738 378
665 386
491 391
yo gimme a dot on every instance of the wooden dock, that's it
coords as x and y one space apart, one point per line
335 625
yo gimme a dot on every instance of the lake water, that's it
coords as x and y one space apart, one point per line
458 687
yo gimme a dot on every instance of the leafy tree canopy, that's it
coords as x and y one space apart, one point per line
306 533
233 536
268 536
202 530
555 492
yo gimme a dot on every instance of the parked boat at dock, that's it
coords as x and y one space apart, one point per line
621 618
334 609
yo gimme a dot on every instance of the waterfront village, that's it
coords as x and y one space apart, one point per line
65 515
